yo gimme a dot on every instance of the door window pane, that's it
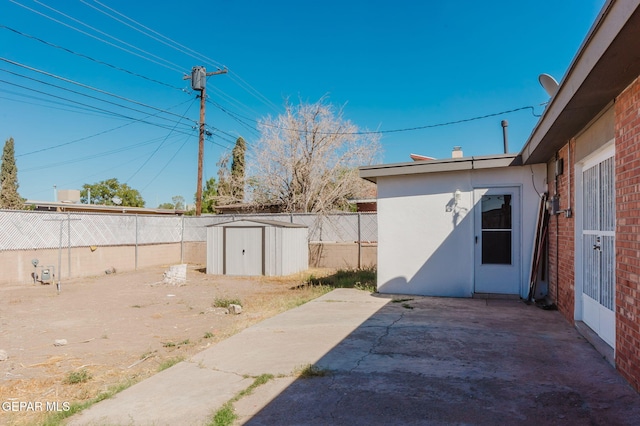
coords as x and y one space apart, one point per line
496 229
496 247
496 212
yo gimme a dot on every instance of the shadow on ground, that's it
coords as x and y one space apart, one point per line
422 360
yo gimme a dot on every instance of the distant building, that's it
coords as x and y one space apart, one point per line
59 206
248 208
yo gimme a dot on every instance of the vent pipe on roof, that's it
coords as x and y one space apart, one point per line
505 137
457 152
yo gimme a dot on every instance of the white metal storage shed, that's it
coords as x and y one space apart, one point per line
257 247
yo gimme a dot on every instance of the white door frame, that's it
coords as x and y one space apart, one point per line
606 151
516 240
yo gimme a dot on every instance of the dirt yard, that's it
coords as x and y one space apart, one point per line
119 328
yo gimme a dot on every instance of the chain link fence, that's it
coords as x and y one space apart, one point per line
26 230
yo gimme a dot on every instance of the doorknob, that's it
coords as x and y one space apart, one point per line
476 239
597 246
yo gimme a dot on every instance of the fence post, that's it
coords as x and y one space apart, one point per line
136 254
182 242
359 243
69 244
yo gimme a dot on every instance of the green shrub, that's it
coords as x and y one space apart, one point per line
78 377
361 279
224 303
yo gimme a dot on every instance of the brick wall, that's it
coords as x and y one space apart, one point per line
627 141
561 237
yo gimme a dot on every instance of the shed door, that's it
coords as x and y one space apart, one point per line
598 249
497 240
244 251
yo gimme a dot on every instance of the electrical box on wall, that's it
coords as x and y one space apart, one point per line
553 205
559 166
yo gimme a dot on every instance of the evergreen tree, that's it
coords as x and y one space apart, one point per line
237 170
9 197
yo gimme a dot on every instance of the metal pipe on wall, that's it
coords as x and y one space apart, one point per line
505 137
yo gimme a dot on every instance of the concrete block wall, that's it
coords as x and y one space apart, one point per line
321 255
16 265
627 142
195 252
342 255
562 237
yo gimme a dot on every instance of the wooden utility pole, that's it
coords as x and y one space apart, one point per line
198 79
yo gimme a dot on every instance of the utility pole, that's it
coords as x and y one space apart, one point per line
198 79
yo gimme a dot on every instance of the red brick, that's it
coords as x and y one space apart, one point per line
627 142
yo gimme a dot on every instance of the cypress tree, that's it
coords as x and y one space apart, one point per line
237 169
9 197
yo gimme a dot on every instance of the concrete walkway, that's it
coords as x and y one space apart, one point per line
389 361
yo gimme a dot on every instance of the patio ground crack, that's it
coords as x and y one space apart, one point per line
372 349
378 342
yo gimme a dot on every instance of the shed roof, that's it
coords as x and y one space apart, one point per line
372 173
275 223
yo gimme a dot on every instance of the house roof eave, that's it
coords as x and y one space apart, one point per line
606 63
372 173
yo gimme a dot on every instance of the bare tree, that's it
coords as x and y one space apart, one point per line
307 158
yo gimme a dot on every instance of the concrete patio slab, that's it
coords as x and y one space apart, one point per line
390 360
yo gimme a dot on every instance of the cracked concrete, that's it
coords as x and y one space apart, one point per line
440 361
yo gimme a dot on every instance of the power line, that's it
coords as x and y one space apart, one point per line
159 146
255 93
84 138
231 100
406 129
181 48
104 33
95 37
84 86
88 96
81 55
62 106
166 164
246 125
50 165
236 77
89 106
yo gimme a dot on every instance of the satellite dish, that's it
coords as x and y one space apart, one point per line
116 200
549 84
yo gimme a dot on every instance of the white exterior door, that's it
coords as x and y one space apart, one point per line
497 240
598 247
243 251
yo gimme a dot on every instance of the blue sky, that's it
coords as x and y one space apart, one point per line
391 65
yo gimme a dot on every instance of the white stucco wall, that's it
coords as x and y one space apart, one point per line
426 241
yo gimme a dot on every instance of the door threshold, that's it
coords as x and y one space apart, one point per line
496 296
607 352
